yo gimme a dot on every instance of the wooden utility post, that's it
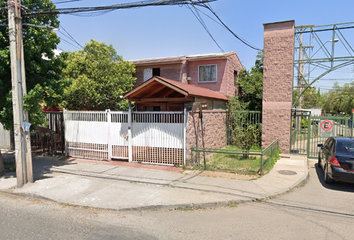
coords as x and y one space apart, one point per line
24 169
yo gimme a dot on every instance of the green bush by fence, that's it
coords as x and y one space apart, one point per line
244 129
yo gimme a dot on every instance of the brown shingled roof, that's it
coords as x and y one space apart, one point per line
195 90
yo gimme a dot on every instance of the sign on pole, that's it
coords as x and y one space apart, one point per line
326 128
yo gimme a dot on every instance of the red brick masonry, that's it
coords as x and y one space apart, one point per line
277 83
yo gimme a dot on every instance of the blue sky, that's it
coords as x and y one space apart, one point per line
150 32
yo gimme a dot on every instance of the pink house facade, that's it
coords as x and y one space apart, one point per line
217 71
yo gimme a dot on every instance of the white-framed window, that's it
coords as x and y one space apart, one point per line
207 73
150 72
147 74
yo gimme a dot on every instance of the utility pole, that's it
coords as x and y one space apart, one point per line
302 67
299 72
24 169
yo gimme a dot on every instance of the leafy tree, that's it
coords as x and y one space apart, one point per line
250 86
250 95
42 76
96 78
311 98
340 100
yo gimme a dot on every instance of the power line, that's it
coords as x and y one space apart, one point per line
42 12
69 36
67 1
62 39
196 14
104 9
207 6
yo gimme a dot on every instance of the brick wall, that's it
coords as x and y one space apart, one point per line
225 83
214 130
174 71
277 83
233 64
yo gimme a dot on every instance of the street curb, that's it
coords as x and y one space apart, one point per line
179 207
176 207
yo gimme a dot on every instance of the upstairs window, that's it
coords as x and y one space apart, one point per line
156 72
150 72
147 74
207 73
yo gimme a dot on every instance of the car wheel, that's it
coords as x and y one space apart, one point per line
319 160
326 177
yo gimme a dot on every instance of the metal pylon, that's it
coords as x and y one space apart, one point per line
320 50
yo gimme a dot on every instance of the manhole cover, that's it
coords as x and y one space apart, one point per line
287 172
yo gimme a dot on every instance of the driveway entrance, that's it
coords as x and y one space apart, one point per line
307 131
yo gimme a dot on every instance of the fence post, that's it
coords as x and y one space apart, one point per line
351 125
109 121
309 125
66 143
130 139
185 136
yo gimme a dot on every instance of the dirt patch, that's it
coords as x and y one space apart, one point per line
216 174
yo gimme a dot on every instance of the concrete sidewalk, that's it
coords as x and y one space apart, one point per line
123 187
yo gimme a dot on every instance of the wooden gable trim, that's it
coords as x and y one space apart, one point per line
172 87
140 88
159 88
177 99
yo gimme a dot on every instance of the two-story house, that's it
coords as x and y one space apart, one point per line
192 78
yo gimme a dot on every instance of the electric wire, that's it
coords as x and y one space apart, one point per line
67 1
64 40
196 14
207 6
90 11
235 35
209 17
76 10
69 36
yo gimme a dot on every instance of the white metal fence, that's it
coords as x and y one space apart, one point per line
154 137
4 138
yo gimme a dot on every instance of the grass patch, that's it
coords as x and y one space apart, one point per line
186 209
232 205
270 161
236 163
241 163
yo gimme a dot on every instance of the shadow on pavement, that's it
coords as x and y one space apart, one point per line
42 165
337 186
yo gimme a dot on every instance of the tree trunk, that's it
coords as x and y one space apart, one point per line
2 166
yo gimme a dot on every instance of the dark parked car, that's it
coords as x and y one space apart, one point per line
336 158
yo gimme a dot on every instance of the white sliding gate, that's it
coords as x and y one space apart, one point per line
156 137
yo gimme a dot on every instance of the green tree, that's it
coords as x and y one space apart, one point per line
339 100
250 86
250 95
42 76
311 98
97 78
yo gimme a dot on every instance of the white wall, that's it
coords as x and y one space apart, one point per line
4 138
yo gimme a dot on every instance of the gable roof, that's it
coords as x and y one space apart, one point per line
183 89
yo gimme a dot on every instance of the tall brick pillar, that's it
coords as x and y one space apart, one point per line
277 83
